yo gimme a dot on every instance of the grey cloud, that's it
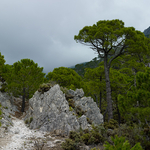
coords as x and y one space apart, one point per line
44 30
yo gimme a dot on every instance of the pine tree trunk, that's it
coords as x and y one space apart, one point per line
108 91
100 95
23 100
100 100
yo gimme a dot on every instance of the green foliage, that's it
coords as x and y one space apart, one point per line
26 121
44 87
25 74
112 124
2 62
69 144
110 39
89 121
134 134
92 137
64 90
75 136
95 82
65 77
76 139
31 119
137 100
121 144
70 108
71 103
95 148
80 68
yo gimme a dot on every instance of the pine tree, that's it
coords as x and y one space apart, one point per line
110 39
24 78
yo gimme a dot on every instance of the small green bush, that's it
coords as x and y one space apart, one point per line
134 134
69 144
121 144
71 103
31 119
89 121
64 90
95 148
44 87
112 124
94 136
70 108
26 121
85 138
74 136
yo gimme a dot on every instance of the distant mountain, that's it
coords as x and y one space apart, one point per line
147 32
80 68
72 67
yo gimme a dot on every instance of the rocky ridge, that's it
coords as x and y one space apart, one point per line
56 112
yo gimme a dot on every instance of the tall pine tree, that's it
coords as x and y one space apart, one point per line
24 78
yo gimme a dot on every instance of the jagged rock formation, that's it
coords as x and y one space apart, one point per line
147 32
7 108
50 111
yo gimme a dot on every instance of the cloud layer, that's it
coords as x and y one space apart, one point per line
43 30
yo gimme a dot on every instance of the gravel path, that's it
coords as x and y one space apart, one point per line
20 137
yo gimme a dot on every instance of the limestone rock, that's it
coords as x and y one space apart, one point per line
49 111
92 112
7 108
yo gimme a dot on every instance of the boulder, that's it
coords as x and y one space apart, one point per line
50 111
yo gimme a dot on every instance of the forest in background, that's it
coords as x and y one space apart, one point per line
129 76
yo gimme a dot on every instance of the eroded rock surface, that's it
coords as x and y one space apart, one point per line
50 111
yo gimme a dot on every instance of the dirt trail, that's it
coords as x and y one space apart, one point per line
20 137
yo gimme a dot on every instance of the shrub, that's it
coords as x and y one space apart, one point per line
69 144
26 121
31 119
74 136
112 124
89 121
134 134
64 90
70 108
71 103
95 148
44 87
94 136
121 144
79 111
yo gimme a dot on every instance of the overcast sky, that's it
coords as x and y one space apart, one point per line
43 30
